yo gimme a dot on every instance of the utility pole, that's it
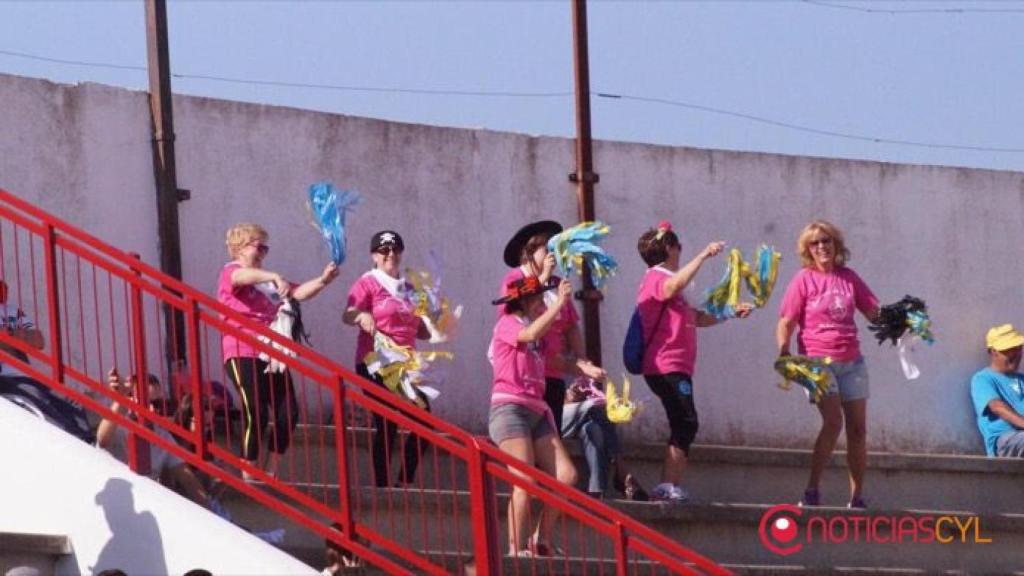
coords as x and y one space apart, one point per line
584 177
167 194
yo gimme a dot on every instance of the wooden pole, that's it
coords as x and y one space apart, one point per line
585 177
165 170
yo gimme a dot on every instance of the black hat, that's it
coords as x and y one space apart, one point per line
523 287
386 238
514 248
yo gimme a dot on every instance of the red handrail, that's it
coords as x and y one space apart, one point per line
485 465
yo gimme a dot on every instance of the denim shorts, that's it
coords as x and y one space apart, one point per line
850 380
1010 444
508 421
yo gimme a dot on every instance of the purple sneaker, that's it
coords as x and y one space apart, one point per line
857 503
811 498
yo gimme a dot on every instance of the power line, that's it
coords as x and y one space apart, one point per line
481 93
379 89
71 62
876 10
800 128
284 84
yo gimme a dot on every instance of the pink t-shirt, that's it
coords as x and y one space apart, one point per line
257 302
823 305
518 366
672 345
555 342
393 314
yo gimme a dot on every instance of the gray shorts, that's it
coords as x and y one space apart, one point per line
509 421
1010 444
850 380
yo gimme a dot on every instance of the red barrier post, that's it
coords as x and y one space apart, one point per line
53 307
194 356
341 453
621 550
482 505
138 447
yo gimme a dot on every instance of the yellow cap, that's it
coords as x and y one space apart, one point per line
1003 337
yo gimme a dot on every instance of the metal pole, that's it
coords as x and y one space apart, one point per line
138 447
584 177
165 171
53 306
484 513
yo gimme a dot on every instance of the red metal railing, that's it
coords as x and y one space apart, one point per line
102 308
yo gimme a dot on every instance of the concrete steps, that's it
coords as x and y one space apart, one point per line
893 481
736 474
798 570
732 488
727 532
32 553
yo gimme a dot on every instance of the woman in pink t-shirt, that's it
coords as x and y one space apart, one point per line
527 255
821 300
520 421
381 301
267 396
670 335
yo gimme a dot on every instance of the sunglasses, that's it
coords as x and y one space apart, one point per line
822 242
260 247
385 250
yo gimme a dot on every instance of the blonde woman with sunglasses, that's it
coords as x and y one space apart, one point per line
256 293
822 300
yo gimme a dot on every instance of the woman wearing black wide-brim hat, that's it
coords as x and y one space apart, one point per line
527 254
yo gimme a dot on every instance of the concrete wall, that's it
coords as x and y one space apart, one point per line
114 518
948 235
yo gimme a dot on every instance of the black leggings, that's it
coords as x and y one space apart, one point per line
554 396
384 438
675 390
266 399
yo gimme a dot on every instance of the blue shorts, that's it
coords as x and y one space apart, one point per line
850 380
508 421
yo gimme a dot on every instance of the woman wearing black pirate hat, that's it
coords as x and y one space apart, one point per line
381 301
527 255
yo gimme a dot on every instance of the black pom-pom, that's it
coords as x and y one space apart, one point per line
892 319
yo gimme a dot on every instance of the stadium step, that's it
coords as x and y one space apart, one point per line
732 488
729 532
32 551
744 474
893 481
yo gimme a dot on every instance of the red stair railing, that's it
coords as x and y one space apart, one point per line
100 308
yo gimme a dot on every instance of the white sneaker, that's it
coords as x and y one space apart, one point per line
670 493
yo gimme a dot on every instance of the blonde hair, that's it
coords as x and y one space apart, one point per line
803 244
241 234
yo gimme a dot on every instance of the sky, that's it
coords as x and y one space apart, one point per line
919 82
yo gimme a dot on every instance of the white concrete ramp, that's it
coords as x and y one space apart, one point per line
53 483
